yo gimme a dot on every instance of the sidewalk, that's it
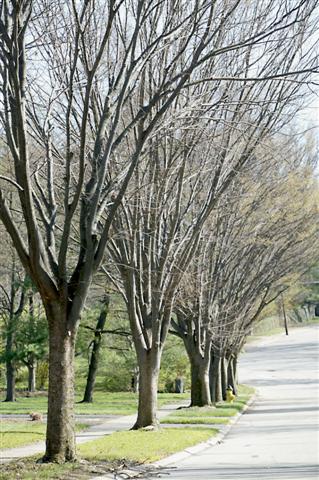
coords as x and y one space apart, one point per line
93 433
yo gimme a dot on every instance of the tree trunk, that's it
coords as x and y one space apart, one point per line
232 375
149 364
196 390
215 379
135 380
10 368
204 379
200 391
284 313
11 381
60 440
94 360
91 377
32 367
235 369
224 377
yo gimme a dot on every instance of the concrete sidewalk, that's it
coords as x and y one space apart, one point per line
107 426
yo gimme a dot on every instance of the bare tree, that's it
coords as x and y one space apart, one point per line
196 155
263 230
80 80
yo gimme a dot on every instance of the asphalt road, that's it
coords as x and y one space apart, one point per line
277 438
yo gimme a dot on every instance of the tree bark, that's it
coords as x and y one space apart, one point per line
32 368
204 379
196 391
135 380
200 361
149 365
60 442
235 369
283 308
200 390
10 366
215 379
224 376
232 375
11 381
94 360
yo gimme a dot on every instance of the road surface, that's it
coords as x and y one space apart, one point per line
277 438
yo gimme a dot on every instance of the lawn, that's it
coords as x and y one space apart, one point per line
219 411
19 433
172 419
129 449
144 446
113 452
105 403
219 414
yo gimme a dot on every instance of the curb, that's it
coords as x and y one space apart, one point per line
179 456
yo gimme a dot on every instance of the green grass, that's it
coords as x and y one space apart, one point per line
206 412
144 446
195 420
109 453
105 403
25 405
123 448
17 434
219 414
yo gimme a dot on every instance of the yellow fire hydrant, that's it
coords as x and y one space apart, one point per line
229 395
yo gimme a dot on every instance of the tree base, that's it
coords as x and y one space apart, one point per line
147 428
59 459
202 405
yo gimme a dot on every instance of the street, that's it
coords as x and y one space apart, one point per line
278 436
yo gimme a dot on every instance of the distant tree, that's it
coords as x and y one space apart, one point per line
95 347
31 339
263 231
12 302
104 340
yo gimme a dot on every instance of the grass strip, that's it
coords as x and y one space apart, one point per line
110 453
17 434
195 420
105 403
208 412
218 414
144 446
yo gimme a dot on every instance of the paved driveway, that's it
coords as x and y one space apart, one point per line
277 437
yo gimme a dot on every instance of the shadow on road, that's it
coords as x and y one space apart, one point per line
274 411
282 381
298 472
